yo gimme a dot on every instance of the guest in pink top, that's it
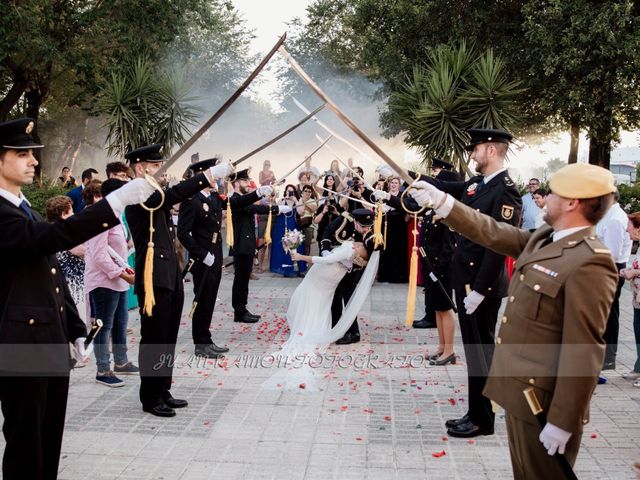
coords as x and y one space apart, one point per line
107 278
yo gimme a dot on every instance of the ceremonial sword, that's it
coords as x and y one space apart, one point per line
221 110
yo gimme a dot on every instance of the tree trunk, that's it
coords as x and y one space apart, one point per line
12 98
575 142
599 153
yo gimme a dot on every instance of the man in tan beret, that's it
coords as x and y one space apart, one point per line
550 336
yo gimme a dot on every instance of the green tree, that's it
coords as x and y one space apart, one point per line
582 65
142 106
455 90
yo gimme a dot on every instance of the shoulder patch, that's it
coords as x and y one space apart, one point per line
507 212
347 215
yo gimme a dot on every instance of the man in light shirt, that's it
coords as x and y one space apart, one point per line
530 210
612 230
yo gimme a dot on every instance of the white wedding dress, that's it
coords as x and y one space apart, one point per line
309 317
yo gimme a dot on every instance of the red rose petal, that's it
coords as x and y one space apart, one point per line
439 454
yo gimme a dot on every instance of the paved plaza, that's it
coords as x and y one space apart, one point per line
379 415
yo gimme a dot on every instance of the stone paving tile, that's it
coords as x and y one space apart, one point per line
381 418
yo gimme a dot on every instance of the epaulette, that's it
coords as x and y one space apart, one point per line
508 182
596 244
347 215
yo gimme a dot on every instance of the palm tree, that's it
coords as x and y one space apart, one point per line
456 89
142 106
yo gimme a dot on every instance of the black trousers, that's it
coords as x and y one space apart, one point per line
243 265
158 336
484 318
343 293
201 321
34 409
613 322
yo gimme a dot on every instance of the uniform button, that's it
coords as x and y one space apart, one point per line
105 225
471 264
171 229
536 287
200 183
498 340
31 321
521 276
489 289
592 237
161 255
532 381
512 298
585 421
504 319
57 289
53 271
61 308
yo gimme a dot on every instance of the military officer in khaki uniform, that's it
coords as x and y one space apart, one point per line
559 298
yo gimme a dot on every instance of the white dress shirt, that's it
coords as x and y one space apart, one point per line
612 230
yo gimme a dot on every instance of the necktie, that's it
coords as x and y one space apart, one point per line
547 241
25 208
481 185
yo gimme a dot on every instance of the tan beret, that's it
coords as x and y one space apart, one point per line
582 180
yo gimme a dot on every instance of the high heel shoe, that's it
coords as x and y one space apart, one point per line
450 359
435 356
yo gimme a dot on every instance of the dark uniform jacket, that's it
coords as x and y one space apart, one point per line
166 274
472 264
199 223
437 241
244 223
342 229
38 316
551 333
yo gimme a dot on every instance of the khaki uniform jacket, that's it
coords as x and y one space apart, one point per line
551 333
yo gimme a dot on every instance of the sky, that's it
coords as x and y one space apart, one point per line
268 21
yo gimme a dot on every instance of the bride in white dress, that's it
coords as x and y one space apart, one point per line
309 313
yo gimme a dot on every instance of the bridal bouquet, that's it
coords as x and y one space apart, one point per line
291 240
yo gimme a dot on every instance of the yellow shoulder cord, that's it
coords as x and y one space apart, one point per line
267 233
413 269
149 297
378 239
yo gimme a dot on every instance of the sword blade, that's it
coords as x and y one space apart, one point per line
222 109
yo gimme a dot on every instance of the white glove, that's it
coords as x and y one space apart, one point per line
264 191
384 171
284 209
209 259
386 208
222 170
472 301
426 194
554 439
131 193
83 353
381 195
325 253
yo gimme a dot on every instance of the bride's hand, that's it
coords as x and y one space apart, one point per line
295 255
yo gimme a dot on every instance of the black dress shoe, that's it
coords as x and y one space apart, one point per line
159 410
454 422
218 349
348 339
253 315
609 365
175 402
468 430
450 359
424 322
245 318
207 351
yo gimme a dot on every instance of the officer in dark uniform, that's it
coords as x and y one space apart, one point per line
199 231
159 330
479 275
354 227
38 317
244 240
